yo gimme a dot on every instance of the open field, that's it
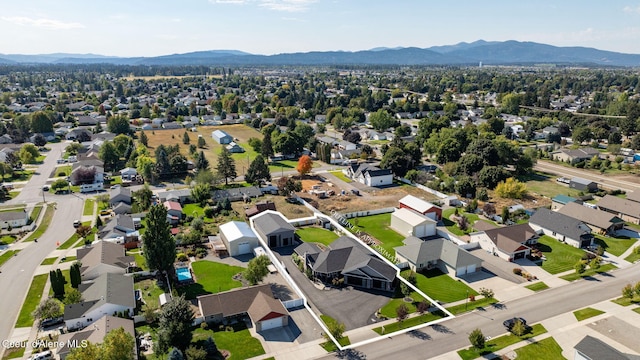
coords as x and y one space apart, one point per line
545 184
212 149
291 211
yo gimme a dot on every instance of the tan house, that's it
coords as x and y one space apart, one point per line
599 221
626 209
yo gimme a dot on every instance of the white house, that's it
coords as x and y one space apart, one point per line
561 227
410 223
14 219
238 237
106 295
509 242
370 175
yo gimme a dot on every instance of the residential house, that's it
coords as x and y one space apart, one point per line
509 242
626 209
561 200
599 221
221 137
238 238
407 222
128 173
370 175
234 148
119 195
172 125
236 194
49 136
103 257
265 311
76 134
180 195
437 253
174 211
95 335
561 227
107 294
348 260
274 229
87 121
121 208
13 219
259 207
86 174
119 229
573 156
591 348
583 184
633 196
421 206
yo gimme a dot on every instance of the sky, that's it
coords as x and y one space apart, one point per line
161 27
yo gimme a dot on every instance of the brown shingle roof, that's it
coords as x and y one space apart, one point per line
237 301
599 218
510 238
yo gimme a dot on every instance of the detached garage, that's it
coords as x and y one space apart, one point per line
409 223
238 238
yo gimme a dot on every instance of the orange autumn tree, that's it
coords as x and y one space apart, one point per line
304 165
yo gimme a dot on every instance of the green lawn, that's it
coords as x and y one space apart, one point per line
559 257
547 349
389 310
14 353
614 246
637 310
7 255
586 313
537 286
48 261
452 226
340 175
240 344
623 301
88 207
635 256
67 285
471 305
70 242
440 286
329 345
318 235
211 278
141 262
378 227
589 272
35 213
284 165
500 343
32 300
546 185
64 170
68 258
44 224
150 292
417 320
193 210
7 239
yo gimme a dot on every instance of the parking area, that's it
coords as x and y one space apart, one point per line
351 306
498 266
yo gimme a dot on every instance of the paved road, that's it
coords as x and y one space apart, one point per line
17 273
604 180
453 334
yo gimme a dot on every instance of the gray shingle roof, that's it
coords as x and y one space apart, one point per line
12 215
596 350
269 223
619 205
599 218
558 223
104 252
420 252
105 289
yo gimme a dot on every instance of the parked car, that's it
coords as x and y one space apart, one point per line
51 322
510 323
45 188
76 224
105 212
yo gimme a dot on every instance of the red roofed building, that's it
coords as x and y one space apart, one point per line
420 206
174 211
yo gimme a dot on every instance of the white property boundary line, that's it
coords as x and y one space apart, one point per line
291 282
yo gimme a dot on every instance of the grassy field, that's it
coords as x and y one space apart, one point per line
546 185
88 207
7 239
32 300
211 278
453 226
537 286
614 246
499 343
287 165
547 349
239 342
378 227
559 257
7 255
318 235
44 224
239 131
340 176
586 313
48 261
589 272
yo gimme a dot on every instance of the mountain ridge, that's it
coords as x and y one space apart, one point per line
463 53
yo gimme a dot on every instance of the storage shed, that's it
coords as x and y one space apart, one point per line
410 223
238 237
221 137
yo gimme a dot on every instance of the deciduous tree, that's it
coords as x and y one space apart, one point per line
305 164
476 338
257 269
159 245
175 324
48 309
258 171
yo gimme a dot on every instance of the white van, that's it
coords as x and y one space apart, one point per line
45 355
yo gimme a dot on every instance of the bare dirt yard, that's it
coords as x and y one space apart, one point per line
212 149
291 211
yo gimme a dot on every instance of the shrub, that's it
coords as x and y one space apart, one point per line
201 253
476 338
627 291
204 325
487 293
182 257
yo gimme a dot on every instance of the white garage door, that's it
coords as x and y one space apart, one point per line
471 269
461 271
272 324
420 231
244 248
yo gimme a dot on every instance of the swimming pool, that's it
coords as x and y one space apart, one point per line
183 274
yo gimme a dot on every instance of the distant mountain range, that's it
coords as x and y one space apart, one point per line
486 52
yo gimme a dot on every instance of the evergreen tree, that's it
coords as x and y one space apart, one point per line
175 354
267 146
201 162
201 142
74 275
185 138
226 166
258 170
159 245
210 347
144 140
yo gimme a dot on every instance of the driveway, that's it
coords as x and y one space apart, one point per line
498 267
355 308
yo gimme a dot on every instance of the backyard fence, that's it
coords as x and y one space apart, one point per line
289 304
368 212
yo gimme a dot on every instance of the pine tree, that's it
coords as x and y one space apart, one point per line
267 146
144 140
74 275
175 324
185 138
226 166
258 170
201 162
